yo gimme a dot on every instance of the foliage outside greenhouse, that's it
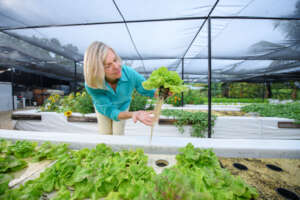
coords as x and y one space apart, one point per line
239 93
81 102
101 173
289 110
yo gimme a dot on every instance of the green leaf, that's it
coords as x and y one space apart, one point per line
4 180
162 78
62 194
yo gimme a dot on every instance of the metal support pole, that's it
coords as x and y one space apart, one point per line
12 70
182 77
264 88
75 76
209 77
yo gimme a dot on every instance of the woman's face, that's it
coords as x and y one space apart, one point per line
112 67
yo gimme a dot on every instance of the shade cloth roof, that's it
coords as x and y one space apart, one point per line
249 38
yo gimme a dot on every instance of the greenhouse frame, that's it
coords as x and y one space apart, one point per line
230 131
204 41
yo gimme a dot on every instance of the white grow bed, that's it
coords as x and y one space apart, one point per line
225 127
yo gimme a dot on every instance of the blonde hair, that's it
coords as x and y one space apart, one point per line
94 58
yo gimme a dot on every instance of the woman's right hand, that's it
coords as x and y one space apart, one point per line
145 117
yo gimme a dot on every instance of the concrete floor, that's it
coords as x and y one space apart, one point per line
5 120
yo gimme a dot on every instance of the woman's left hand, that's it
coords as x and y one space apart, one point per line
145 117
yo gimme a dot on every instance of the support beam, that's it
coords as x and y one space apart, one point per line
75 76
12 70
182 77
209 78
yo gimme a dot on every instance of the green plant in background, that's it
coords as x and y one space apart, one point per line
237 100
175 100
198 98
199 121
138 102
246 90
67 102
289 110
193 97
84 103
52 103
189 97
150 105
286 90
80 102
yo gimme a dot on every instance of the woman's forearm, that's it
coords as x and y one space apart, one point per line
125 115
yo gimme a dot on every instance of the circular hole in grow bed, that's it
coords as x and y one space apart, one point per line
274 167
287 194
240 166
162 163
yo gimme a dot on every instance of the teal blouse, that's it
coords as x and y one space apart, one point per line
109 102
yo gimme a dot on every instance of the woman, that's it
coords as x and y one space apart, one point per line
111 86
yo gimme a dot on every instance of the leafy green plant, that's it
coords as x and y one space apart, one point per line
4 144
10 154
50 151
90 174
163 78
289 110
9 163
101 173
22 149
197 175
4 180
199 121
165 81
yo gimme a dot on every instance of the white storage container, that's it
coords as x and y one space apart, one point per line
5 96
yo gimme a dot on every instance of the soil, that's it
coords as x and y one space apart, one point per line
265 180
